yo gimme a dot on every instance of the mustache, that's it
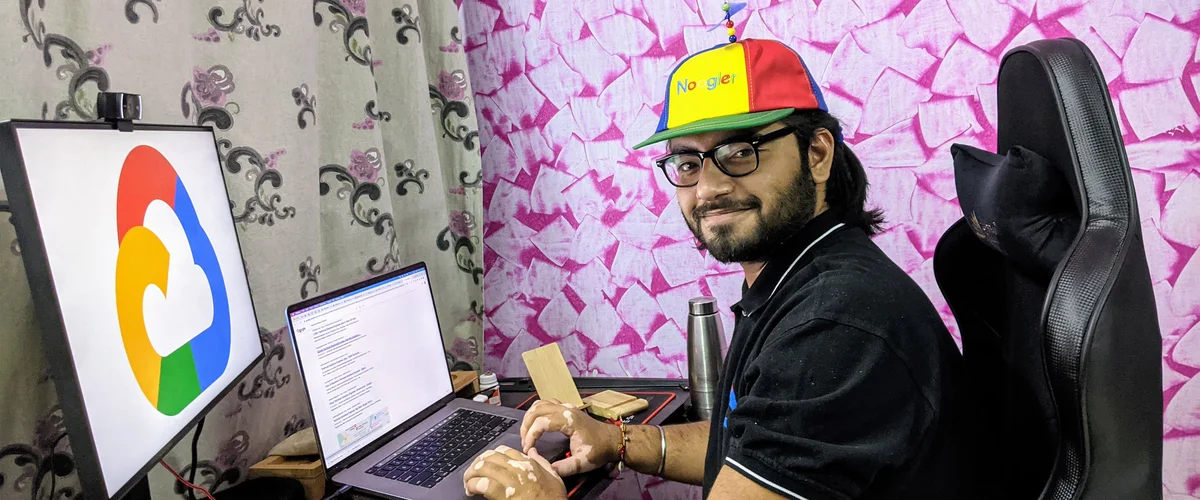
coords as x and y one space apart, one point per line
750 203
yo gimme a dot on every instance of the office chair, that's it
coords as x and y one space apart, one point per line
1061 342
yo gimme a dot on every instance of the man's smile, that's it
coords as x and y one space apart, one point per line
722 216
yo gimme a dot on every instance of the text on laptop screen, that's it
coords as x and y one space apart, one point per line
372 358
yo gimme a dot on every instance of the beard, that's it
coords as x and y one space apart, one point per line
796 206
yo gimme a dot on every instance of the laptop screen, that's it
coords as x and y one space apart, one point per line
372 358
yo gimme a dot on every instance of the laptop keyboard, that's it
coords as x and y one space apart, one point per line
460 437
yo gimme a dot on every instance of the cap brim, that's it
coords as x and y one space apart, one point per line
734 122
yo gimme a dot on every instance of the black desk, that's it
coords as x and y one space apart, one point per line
668 400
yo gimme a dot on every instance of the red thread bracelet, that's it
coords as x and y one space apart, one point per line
621 447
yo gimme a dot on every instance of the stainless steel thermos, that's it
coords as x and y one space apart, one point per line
706 342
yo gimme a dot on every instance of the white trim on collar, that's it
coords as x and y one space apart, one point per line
798 257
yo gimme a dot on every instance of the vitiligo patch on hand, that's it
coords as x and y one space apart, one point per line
570 419
509 492
536 430
525 466
585 451
482 485
478 465
576 463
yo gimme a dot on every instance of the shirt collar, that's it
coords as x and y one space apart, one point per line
788 258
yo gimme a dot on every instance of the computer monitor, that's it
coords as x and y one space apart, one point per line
138 282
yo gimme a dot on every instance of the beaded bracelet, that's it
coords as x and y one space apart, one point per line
621 447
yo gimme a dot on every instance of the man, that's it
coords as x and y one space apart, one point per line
844 383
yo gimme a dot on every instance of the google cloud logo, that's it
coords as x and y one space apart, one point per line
171 382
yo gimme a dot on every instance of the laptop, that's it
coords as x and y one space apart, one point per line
384 411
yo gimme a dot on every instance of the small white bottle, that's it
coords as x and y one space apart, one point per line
489 386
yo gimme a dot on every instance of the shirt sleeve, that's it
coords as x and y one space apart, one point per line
826 408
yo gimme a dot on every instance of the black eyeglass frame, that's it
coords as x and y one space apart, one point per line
754 143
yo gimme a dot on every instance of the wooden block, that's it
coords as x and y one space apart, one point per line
550 376
463 379
609 399
614 412
310 473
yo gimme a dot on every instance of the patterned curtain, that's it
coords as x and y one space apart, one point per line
349 147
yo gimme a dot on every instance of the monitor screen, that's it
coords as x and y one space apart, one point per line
372 358
143 256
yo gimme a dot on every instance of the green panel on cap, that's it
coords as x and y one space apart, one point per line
734 122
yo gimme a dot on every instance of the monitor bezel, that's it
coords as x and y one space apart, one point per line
56 344
404 426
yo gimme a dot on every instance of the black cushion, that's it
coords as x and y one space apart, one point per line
1017 204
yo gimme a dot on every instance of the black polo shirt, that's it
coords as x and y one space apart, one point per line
843 379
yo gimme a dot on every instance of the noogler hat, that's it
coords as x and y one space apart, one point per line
743 84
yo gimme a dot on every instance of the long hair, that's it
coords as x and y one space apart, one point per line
846 190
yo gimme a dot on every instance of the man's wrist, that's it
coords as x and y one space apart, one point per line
642 452
612 445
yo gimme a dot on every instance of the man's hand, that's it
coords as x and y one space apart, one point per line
507 474
593 443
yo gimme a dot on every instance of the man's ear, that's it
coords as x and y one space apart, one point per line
820 155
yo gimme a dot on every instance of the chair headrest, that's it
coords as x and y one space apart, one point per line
1018 204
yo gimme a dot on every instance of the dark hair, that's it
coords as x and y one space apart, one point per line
846 190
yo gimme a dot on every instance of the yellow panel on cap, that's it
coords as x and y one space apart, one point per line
708 85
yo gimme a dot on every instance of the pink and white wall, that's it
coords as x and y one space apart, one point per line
585 246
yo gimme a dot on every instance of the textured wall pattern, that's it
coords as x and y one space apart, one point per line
586 246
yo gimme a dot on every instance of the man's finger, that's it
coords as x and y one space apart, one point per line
540 460
518 464
540 424
538 409
511 453
492 479
470 486
569 466
488 488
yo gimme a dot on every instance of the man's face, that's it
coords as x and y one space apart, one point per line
744 219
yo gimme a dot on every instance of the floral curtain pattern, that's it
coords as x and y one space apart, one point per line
349 147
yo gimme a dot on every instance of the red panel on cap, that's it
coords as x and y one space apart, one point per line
777 78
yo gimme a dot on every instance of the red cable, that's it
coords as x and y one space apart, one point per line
184 481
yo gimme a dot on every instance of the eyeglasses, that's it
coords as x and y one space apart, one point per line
737 158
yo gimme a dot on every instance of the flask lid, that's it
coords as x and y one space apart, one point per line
702 306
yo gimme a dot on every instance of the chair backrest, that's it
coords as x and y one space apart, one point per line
1065 369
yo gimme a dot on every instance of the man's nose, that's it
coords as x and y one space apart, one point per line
713 182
